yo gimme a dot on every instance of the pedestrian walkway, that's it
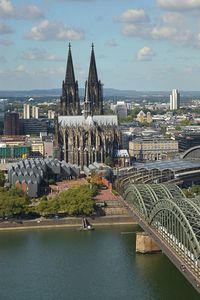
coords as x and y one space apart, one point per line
106 195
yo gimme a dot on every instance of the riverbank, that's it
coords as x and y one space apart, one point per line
67 222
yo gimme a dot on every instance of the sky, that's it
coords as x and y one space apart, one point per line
147 45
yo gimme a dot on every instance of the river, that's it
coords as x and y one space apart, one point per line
65 264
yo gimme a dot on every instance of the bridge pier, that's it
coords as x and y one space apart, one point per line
145 244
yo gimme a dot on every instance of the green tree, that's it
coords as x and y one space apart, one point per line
2 179
13 203
109 161
78 200
185 123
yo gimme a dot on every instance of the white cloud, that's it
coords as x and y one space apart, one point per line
39 54
174 18
8 10
179 4
132 16
145 54
47 30
5 29
160 32
163 32
30 12
131 30
170 26
20 69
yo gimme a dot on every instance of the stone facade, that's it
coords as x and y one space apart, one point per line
86 143
92 136
69 100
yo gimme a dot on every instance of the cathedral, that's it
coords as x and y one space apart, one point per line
85 135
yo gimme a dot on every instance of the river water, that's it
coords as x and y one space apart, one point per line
65 264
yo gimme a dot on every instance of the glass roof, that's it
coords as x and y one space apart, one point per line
175 165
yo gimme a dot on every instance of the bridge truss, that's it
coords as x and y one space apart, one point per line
172 219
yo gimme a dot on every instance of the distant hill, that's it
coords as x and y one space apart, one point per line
108 92
57 92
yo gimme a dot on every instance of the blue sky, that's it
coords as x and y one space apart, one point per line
139 44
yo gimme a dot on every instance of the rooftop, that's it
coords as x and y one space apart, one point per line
175 165
80 120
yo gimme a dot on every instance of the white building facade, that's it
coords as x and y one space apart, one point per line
174 100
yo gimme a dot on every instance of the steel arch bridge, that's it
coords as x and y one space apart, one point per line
172 220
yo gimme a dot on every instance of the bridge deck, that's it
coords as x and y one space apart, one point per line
172 220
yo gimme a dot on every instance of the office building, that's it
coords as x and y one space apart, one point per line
121 109
152 149
11 123
35 112
174 100
27 111
51 114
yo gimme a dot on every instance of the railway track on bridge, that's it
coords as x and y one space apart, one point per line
172 220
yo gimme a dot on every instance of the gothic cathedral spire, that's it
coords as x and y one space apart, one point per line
70 102
94 87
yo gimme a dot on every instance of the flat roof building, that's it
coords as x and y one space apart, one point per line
174 100
11 123
152 149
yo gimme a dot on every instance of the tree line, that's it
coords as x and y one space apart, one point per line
72 202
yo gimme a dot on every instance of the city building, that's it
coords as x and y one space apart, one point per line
120 109
51 114
188 137
11 123
31 174
35 112
174 100
152 149
91 136
180 171
48 148
34 126
149 118
142 117
121 158
37 147
27 111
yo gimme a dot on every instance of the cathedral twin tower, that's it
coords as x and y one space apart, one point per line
70 101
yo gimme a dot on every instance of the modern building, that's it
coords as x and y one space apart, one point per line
31 174
34 126
188 137
51 114
152 149
35 112
27 111
121 109
91 136
11 123
37 147
174 100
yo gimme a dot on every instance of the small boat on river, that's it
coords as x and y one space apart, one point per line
86 225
